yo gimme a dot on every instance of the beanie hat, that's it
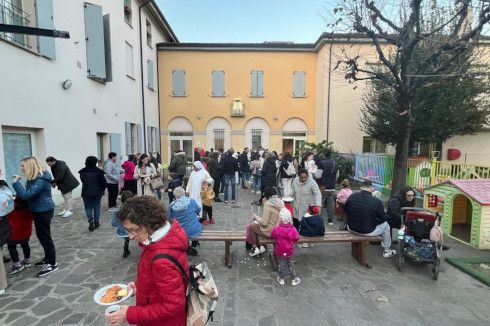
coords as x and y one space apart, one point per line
314 209
285 216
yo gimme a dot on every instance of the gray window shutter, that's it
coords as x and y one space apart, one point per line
94 38
151 83
253 80
299 84
260 83
178 82
218 81
157 140
139 132
127 128
115 140
107 45
149 138
44 19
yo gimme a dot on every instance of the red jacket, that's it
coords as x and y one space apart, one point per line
286 235
160 289
20 221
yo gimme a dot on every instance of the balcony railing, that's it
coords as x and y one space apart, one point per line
13 15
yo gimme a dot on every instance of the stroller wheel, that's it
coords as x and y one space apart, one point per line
435 271
400 263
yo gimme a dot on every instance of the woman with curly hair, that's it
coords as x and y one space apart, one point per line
160 287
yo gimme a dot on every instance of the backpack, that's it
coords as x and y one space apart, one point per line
201 293
290 171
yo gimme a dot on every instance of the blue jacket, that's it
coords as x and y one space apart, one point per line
312 226
120 230
37 193
186 211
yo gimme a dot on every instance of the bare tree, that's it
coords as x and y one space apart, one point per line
397 30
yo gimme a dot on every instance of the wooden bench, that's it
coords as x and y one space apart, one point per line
359 243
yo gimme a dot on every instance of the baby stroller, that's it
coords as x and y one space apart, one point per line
414 239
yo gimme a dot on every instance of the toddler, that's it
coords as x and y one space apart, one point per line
20 221
288 203
207 197
342 197
312 224
173 182
286 235
120 231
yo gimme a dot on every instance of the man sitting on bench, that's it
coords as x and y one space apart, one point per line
366 216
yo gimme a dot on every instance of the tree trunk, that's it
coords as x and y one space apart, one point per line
402 144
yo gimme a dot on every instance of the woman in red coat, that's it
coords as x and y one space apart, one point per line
20 221
160 286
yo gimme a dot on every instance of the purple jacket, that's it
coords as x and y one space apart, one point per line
286 235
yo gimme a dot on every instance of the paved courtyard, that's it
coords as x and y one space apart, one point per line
335 290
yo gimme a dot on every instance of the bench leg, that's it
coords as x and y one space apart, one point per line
228 254
359 253
273 260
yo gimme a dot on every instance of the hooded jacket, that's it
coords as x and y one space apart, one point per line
93 181
229 164
286 235
186 211
394 213
178 163
244 164
305 195
161 288
269 171
312 226
37 192
270 215
63 178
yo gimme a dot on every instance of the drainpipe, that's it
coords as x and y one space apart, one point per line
329 88
141 69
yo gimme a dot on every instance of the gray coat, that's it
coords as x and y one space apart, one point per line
112 172
305 194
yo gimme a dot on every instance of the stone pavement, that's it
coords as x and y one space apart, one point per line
335 290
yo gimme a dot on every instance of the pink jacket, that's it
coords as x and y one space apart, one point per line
343 195
286 235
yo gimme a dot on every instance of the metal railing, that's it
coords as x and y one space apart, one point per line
13 15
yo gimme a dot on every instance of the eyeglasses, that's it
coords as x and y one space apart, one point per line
133 231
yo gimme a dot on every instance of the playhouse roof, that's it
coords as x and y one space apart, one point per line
478 189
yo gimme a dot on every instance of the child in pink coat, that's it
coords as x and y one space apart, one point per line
342 197
286 235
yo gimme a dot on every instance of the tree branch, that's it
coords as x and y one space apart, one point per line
377 13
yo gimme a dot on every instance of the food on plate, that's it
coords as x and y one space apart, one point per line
122 293
112 294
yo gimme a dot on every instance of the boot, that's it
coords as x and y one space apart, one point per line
91 226
97 224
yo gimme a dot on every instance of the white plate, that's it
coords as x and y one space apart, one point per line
100 293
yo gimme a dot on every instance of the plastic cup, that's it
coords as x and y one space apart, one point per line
112 309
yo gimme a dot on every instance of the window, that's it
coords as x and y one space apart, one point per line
219 138
151 82
134 138
178 83
371 145
102 146
95 42
421 149
129 60
257 83
299 84
152 136
218 81
256 138
148 34
128 13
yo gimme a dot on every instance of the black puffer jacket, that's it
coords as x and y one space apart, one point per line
93 181
284 166
269 171
243 161
329 175
229 164
394 213
214 168
63 178
364 212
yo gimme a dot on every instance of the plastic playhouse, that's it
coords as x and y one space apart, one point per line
465 209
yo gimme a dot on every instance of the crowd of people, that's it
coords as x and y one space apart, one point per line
295 193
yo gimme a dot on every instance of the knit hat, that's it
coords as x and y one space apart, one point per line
314 209
285 216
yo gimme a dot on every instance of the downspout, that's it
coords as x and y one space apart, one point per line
159 117
141 69
329 88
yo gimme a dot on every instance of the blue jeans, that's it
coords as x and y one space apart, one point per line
257 183
227 180
92 208
245 177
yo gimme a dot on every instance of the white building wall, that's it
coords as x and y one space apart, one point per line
67 120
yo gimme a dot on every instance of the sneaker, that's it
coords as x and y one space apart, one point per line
112 209
62 212
262 249
330 223
67 214
97 225
91 226
233 201
254 252
211 221
26 263
226 202
126 254
296 281
217 200
306 245
388 253
280 280
6 259
48 269
16 269
2 291
40 263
